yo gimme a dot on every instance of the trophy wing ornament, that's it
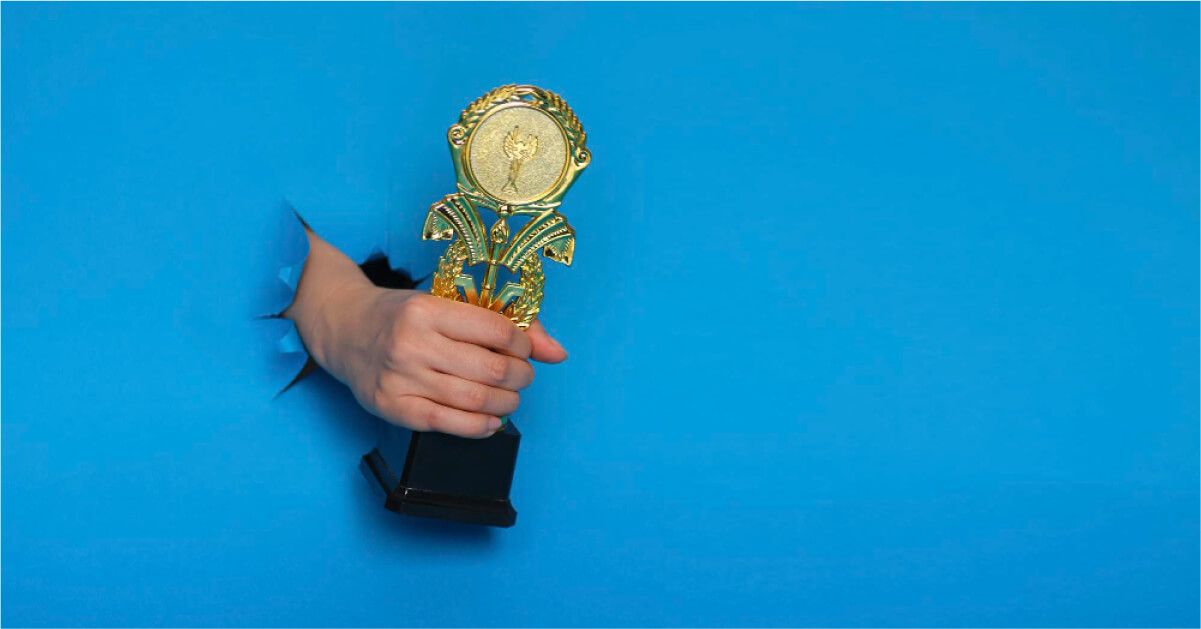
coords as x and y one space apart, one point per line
455 216
516 151
547 233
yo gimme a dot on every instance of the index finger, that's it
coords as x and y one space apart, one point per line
480 326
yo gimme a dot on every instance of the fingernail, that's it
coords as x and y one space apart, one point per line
494 423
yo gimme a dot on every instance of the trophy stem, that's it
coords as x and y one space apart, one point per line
499 235
487 286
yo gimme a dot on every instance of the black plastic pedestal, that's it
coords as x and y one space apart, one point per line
435 475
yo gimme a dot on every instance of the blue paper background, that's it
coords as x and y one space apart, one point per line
881 314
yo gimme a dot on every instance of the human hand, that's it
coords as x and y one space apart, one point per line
433 364
411 358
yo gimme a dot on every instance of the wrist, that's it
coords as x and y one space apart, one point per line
334 321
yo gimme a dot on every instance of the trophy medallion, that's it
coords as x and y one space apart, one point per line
516 151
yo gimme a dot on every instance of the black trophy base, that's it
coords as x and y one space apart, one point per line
434 475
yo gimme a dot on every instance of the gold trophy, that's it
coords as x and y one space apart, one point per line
516 151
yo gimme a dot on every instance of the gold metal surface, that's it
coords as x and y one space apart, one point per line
517 154
516 151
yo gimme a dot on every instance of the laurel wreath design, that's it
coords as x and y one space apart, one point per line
522 311
449 267
547 101
525 308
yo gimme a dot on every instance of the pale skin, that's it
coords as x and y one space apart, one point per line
411 358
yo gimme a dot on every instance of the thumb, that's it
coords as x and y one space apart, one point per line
546 349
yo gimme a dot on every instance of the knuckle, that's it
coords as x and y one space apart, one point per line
497 369
510 403
527 374
475 397
501 332
414 309
432 417
408 412
425 302
416 414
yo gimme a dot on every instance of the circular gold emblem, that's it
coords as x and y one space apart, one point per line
518 154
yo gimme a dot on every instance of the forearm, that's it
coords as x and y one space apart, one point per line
330 285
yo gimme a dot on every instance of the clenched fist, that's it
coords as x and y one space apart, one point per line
411 358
